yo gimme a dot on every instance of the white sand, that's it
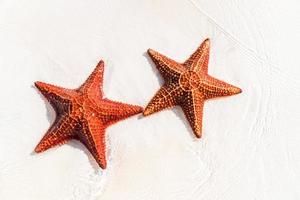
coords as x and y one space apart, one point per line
251 143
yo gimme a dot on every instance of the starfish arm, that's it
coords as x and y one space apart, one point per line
93 138
168 68
213 88
58 97
192 106
113 111
166 97
93 84
59 133
198 61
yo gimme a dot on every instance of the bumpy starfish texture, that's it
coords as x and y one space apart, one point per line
187 85
83 114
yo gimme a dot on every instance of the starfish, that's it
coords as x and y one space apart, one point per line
83 114
187 85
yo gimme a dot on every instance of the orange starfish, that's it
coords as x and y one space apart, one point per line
83 114
187 85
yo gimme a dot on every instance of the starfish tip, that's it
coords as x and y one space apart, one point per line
135 109
206 42
101 63
99 67
140 109
237 90
151 52
40 85
198 133
103 165
147 112
37 83
38 149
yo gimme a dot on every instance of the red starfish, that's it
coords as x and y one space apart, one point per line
83 114
187 85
